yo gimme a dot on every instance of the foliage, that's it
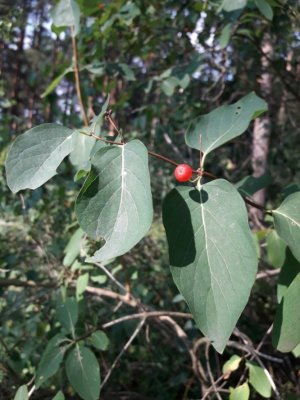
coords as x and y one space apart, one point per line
79 253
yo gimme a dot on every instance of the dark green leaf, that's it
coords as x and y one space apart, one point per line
287 222
66 13
81 285
55 82
286 330
212 254
81 153
35 156
115 202
289 271
67 314
50 361
259 380
84 373
59 396
99 340
225 36
22 393
210 131
232 5
250 184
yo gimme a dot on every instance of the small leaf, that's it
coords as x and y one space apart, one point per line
225 123
289 271
98 120
67 314
126 72
168 85
259 380
50 361
265 8
66 13
225 36
115 202
35 156
286 330
212 254
99 340
81 153
251 184
83 372
276 249
81 285
22 393
287 222
241 392
55 82
59 396
73 247
232 5
296 351
231 365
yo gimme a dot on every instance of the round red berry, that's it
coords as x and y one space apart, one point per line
183 172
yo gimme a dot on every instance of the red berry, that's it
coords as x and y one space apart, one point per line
183 172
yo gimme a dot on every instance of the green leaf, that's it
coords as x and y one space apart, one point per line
276 249
83 372
225 36
259 380
66 13
67 314
73 247
22 393
212 254
265 8
50 361
241 392
59 396
55 82
231 365
35 156
99 340
232 5
286 330
81 285
168 85
81 153
251 184
287 222
126 72
296 351
98 120
115 202
210 131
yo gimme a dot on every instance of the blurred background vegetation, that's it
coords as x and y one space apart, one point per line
163 63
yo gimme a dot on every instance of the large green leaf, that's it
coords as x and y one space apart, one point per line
259 380
287 222
210 131
286 330
35 156
22 393
66 13
50 361
265 8
212 254
83 372
67 314
115 202
289 270
276 249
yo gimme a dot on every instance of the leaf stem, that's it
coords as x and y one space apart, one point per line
77 80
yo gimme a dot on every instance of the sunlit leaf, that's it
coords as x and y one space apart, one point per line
259 380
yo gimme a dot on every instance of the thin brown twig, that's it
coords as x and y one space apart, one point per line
77 79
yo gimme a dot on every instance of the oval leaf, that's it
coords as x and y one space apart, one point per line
35 156
286 330
287 222
115 202
241 392
83 372
22 393
66 13
212 254
67 314
99 340
259 380
50 361
289 271
210 131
